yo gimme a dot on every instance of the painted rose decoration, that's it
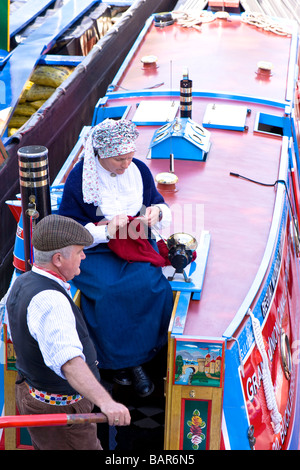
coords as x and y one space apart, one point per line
196 424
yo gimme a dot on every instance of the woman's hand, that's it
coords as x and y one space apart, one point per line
116 223
152 215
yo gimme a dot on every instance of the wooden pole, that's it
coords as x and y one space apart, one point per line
58 419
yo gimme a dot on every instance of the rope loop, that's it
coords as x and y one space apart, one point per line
276 417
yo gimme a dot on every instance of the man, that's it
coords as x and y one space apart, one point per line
56 359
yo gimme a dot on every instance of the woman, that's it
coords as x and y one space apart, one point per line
127 302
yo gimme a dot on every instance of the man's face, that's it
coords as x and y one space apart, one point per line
70 267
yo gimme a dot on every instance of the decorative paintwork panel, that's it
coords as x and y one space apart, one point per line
196 416
198 363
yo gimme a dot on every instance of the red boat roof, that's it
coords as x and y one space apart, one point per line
222 58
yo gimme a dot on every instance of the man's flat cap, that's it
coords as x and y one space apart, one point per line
56 231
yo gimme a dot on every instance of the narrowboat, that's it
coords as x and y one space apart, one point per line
215 97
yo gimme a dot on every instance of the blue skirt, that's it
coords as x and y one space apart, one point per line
127 307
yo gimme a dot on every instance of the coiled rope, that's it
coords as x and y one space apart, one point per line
265 22
191 18
192 15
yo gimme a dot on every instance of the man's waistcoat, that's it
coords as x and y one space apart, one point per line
30 363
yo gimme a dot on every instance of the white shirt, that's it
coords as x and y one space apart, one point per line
121 194
51 322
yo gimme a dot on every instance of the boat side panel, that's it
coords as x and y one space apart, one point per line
277 305
235 414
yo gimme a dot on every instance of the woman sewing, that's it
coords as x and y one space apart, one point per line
127 303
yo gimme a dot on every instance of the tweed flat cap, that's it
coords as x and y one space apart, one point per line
56 231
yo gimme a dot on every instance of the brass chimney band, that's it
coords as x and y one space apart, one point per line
33 166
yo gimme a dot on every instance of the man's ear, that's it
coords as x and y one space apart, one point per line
56 259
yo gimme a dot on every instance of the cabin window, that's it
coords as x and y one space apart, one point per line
270 124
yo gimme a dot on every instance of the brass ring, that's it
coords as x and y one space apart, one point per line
286 358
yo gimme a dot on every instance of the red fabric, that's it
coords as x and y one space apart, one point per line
164 251
132 244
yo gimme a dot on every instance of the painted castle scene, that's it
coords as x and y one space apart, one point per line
198 363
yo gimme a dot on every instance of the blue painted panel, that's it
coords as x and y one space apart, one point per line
181 313
68 60
20 18
233 403
195 271
22 60
115 112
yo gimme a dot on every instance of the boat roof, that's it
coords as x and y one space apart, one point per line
222 59
218 63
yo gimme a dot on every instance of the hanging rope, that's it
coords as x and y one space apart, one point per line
266 375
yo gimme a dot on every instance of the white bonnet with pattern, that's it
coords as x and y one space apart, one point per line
108 139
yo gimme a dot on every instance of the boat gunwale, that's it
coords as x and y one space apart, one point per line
292 64
270 245
131 53
196 94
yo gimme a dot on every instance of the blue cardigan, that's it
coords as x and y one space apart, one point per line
72 204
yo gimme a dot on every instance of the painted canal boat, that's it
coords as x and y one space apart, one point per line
217 110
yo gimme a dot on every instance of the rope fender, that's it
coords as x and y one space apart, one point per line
276 417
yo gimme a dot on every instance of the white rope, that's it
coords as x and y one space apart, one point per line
266 375
191 14
264 22
192 18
